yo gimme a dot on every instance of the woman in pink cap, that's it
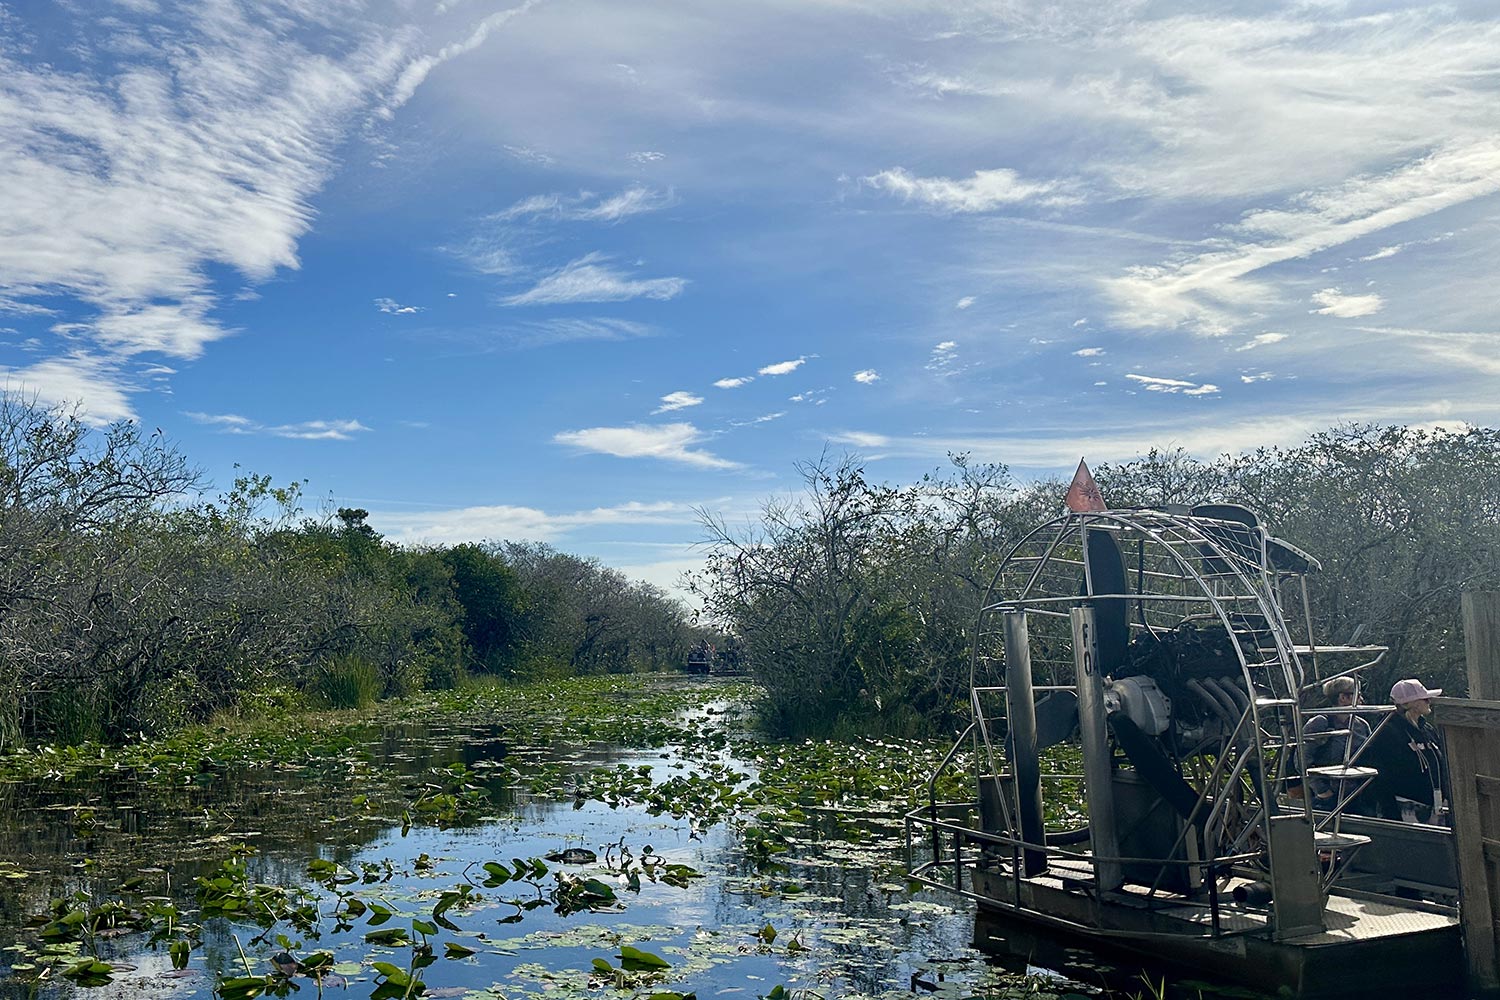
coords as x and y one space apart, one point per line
1408 755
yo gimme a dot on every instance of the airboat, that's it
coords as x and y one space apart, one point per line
1138 688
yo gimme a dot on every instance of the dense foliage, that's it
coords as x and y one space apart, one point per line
126 607
854 604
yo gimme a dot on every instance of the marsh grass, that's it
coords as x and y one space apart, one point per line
346 681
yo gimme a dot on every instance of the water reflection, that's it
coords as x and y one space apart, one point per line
843 922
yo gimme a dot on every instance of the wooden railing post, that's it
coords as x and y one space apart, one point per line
1471 736
1482 643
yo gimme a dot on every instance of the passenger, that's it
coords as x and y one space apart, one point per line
1333 738
1408 754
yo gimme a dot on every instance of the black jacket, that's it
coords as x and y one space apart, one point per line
1411 763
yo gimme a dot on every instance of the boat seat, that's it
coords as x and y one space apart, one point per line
1351 772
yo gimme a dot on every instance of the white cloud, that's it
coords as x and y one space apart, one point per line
669 442
1173 385
867 376
860 439
1162 383
944 358
1383 253
763 419
1089 352
782 367
647 156
986 191
734 383
589 279
1261 340
1210 292
416 71
964 303
504 522
76 379
1466 351
677 401
1336 303
571 329
396 308
1251 378
123 183
587 206
307 430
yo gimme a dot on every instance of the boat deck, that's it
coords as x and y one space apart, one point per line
1354 917
1367 944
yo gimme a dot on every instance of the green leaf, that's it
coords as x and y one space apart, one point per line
423 927
637 960
242 987
394 936
393 973
602 965
453 949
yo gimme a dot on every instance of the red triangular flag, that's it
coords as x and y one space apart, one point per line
1083 492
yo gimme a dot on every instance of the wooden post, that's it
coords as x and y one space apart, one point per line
1471 734
1482 643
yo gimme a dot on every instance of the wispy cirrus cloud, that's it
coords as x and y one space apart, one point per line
131 186
677 401
494 522
591 278
1211 292
860 439
668 442
77 379
1261 340
764 418
985 191
571 329
587 206
307 430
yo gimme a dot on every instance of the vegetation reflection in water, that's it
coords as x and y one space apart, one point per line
615 837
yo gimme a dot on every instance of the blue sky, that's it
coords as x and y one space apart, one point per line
567 270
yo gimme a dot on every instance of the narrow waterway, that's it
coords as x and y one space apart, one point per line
329 873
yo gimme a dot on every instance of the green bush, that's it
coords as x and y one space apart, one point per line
404 677
445 674
346 681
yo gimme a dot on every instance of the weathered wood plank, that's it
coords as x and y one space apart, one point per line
1466 712
1482 643
1471 732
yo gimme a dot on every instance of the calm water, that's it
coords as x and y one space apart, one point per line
844 923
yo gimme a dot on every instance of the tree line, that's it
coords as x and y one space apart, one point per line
853 604
128 606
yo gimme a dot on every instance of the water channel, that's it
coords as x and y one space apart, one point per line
751 911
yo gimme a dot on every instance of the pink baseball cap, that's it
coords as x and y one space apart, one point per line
1411 690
